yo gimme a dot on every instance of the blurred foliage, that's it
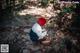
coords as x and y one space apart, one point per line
44 2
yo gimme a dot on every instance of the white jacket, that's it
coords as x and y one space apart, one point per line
39 31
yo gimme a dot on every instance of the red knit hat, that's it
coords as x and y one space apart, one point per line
41 21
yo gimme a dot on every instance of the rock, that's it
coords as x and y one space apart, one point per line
26 51
27 30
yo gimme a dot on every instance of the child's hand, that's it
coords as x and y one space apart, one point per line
44 29
45 32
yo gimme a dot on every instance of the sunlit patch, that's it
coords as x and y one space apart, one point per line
33 10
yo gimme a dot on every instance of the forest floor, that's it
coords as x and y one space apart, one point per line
16 33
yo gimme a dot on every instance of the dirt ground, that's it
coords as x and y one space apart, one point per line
15 32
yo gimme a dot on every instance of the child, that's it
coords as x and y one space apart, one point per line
37 34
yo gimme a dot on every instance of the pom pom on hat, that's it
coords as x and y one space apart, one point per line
41 21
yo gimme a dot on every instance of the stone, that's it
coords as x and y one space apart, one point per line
27 30
26 51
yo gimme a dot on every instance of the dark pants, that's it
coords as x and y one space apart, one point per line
33 36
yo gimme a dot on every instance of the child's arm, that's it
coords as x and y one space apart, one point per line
41 34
